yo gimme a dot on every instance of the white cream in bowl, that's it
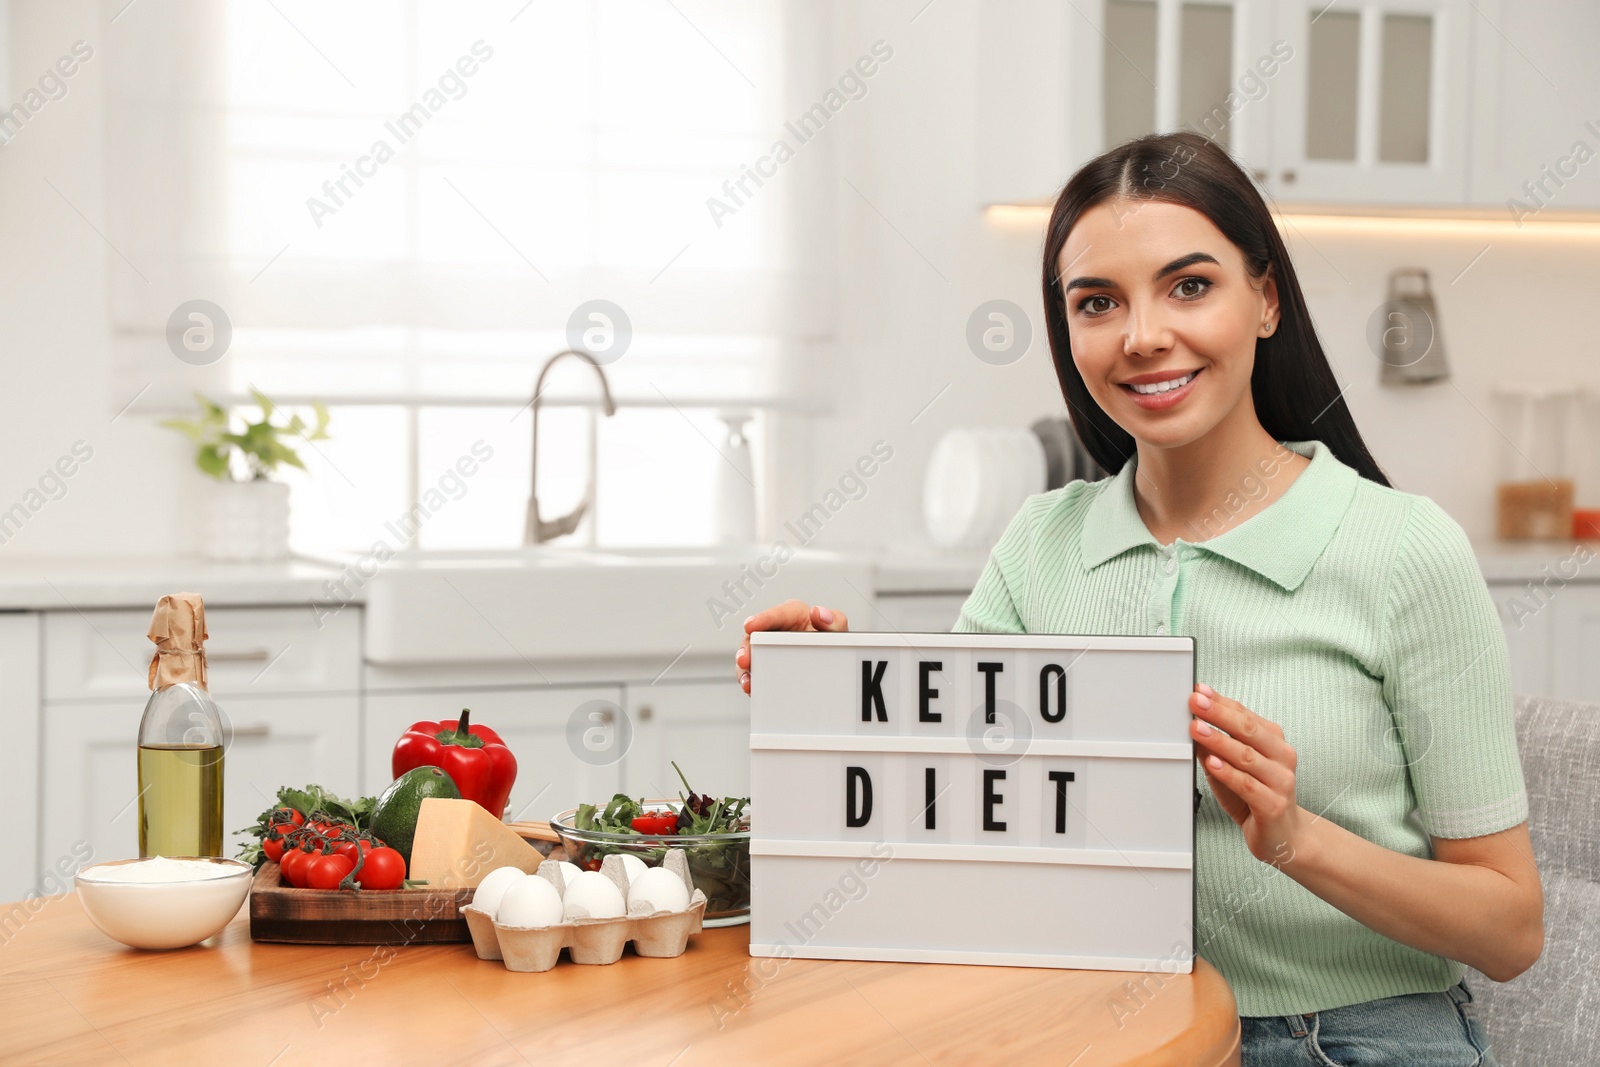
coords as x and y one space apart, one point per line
163 902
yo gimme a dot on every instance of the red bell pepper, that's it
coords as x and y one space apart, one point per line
474 757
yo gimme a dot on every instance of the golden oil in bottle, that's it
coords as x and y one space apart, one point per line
180 800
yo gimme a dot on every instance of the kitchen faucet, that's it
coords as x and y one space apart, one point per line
539 530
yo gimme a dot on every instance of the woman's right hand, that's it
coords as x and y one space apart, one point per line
790 615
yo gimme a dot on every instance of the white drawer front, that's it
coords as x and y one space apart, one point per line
91 769
252 652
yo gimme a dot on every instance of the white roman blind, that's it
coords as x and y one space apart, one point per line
407 201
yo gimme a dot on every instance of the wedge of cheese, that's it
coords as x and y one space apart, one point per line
458 843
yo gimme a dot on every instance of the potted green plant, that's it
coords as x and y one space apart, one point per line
245 514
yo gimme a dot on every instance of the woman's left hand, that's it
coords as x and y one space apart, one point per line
1251 771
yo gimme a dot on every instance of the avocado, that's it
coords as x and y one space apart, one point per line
394 816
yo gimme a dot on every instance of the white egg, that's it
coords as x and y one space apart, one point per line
531 902
593 896
569 871
660 889
493 888
633 865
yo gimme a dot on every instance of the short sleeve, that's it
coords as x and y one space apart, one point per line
995 604
1447 682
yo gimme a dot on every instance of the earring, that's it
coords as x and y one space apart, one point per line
1267 328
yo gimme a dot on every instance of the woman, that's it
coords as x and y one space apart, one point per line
1359 667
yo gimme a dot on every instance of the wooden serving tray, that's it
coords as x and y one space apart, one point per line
280 912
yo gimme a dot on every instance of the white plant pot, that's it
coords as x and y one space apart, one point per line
245 522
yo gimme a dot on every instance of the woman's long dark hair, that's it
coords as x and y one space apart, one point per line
1296 396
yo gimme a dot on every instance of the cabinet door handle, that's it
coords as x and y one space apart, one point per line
1288 177
1259 175
258 731
249 655
646 712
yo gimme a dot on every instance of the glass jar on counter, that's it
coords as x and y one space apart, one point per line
1538 459
1586 476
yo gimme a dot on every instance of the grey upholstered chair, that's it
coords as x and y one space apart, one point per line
1546 1015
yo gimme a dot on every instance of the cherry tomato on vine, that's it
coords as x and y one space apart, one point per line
293 860
384 868
351 849
272 847
326 872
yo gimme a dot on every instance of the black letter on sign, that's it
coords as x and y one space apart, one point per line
1061 778
872 690
1044 693
927 813
928 692
991 798
989 671
857 813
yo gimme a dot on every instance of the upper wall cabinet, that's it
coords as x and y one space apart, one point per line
1373 106
1536 114
1353 101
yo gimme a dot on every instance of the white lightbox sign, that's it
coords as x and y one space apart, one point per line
1013 799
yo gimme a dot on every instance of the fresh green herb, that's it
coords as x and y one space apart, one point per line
311 801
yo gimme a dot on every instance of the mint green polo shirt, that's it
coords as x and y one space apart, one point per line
1352 614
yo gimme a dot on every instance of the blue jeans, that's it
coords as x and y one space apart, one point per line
1410 1030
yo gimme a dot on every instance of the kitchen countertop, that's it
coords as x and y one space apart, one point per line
1523 561
44 583
74 996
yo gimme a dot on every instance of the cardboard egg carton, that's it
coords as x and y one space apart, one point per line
662 934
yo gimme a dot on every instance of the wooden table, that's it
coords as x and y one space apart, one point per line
70 995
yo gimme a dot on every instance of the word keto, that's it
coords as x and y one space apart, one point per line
402 129
852 86
1542 191
52 486
452 485
52 85
852 485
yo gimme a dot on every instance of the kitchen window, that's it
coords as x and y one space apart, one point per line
404 208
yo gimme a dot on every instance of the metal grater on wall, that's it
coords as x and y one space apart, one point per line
1410 344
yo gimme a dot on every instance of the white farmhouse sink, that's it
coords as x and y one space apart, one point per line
559 603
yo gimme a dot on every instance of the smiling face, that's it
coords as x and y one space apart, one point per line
1154 292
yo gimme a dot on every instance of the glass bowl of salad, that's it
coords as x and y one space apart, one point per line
714 832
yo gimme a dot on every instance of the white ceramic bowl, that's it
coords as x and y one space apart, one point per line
160 915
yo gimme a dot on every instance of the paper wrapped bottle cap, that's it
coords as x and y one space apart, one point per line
178 629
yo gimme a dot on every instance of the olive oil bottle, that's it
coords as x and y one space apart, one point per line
181 739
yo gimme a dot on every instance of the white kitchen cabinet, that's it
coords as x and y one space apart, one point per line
703 725
1553 637
19 722
91 776
1535 131
908 613
1374 106
1530 639
105 655
559 764
1575 652
1342 102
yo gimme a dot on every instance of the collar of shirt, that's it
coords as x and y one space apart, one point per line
1281 543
